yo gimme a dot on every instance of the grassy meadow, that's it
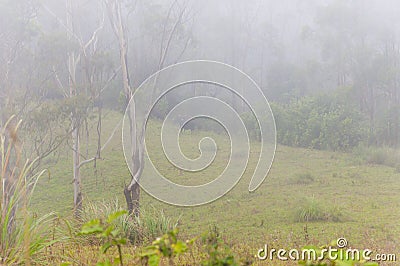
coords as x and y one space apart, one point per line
309 197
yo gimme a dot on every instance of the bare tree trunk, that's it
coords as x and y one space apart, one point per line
74 119
132 191
76 169
132 197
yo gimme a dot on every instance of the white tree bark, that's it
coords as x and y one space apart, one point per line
132 191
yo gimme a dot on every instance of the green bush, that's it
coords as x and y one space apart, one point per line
321 122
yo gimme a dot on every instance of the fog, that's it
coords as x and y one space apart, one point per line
293 47
306 76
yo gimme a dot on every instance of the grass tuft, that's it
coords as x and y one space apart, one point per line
312 210
143 229
22 235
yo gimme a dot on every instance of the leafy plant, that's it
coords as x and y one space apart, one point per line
168 246
107 231
213 243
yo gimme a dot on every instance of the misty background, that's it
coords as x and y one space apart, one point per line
330 68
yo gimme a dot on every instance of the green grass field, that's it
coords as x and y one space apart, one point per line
309 197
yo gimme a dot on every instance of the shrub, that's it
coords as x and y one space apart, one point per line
167 246
320 122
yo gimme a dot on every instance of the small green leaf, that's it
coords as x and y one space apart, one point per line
117 260
148 254
115 232
154 260
121 241
179 247
106 263
92 227
105 247
113 216
108 231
